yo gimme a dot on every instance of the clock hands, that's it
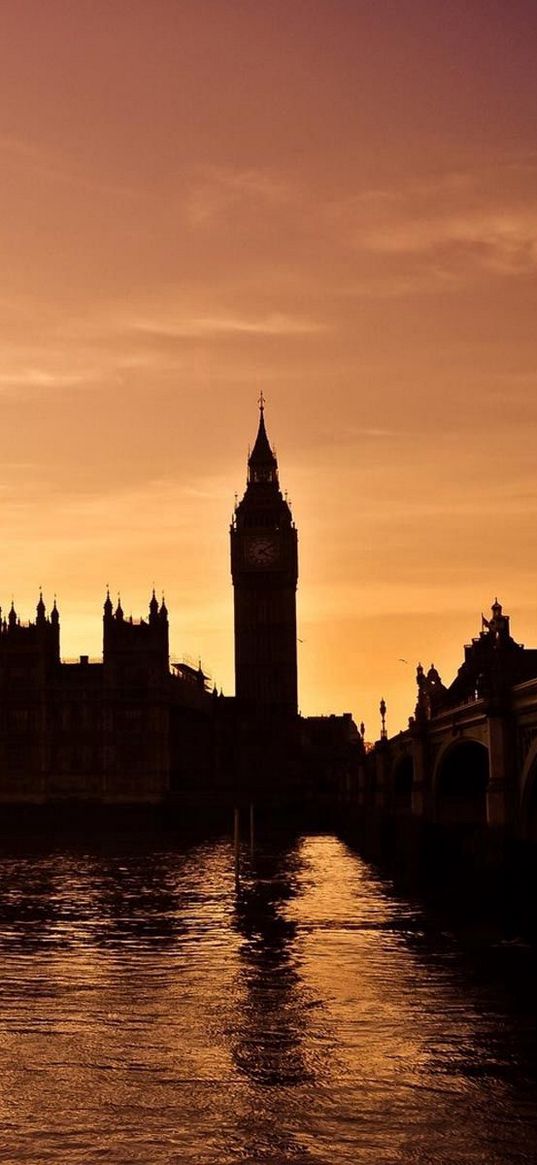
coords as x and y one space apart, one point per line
262 551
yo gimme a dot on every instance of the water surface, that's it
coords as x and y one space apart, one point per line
152 1012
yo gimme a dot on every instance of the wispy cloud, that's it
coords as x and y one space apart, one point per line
45 163
45 378
216 190
435 232
505 241
213 326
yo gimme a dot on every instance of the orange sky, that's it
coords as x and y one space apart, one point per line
335 201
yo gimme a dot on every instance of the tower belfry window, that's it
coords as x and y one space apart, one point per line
265 473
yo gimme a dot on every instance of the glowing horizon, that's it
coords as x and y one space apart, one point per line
337 204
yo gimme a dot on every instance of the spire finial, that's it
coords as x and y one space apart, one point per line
262 463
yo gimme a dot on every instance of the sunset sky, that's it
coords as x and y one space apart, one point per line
333 201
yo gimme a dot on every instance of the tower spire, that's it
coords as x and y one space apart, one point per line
40 607
107 604
153 607
262 463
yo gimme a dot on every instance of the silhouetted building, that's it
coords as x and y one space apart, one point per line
91 730
493 663
29 662
129 729
264 565
136 701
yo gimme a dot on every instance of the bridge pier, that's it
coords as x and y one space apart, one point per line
383 764
421 783
500 748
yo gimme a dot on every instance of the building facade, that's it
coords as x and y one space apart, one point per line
130 729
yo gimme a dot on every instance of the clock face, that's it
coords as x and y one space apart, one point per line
261 551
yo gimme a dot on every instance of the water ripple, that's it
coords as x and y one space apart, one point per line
153 1012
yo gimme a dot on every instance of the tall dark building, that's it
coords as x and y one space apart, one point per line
264 566
125 730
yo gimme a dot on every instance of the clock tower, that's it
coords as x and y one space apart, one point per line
264 567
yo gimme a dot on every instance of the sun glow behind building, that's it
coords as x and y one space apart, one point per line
330 201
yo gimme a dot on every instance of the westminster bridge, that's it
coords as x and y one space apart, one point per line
467 763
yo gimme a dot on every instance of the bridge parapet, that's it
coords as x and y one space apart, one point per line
463 776
449 740
475 740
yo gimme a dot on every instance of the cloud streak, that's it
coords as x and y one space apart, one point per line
502 241
208 327
44 163
434 233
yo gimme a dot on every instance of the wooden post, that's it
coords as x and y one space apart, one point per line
237 839
252 829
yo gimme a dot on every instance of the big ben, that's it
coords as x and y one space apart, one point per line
264 567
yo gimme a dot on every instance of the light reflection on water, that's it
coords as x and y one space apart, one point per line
150 1012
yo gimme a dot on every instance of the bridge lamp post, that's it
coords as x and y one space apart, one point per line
383 732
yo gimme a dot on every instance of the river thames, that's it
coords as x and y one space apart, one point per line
152 1012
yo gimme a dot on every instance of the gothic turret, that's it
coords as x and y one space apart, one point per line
108 609
40 609
135 651
153 608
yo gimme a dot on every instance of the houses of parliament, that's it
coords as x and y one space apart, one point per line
133 730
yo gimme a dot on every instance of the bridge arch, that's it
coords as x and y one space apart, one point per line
460 782
401 783
528 795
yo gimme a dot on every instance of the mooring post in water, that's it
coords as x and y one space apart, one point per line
237 836
252 829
